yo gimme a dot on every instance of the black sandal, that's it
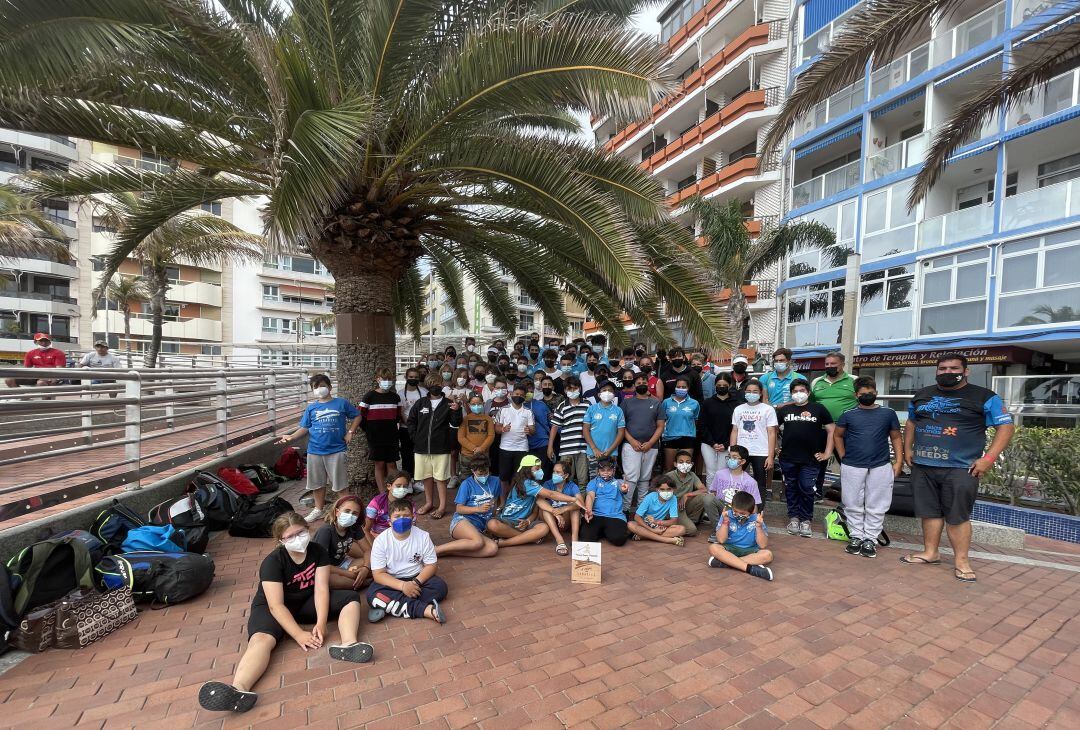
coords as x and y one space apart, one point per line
357 652
221 697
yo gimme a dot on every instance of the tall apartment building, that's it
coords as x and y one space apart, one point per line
730 58
989 262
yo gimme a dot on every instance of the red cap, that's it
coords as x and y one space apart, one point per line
41 336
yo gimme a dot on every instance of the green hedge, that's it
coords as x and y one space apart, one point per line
1046 459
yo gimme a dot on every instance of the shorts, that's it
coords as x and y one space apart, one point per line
432 466
740 552
508 463
261 621
941 491
456 519
383 447
683 442
323 468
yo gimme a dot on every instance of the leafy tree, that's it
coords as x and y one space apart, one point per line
127 291
25 230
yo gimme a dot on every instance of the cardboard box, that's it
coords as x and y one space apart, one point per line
585 562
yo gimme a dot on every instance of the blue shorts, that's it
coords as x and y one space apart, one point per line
462 518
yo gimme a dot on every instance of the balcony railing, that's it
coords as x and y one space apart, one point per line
970 33
897 156
834 107
820 41
957 226
30 335
60 219
728 174
825 186
901 70
526 301
66 141
766 288
141 164
1041 205
39 296
1057 94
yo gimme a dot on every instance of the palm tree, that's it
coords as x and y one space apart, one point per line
25 230
382 133
1046 314
127 291
881 28
736 258
192 237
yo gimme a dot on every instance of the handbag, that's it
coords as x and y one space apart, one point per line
37 630
84 616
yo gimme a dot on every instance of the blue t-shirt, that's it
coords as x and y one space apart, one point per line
779 386
609 499
658 509
743 534
326 424
866 435
708 383
604 424
950 425
681 417
542 417
472 493
518 507
568 488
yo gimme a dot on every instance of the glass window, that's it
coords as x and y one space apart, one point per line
1040 278
1059 170
885 311
1021 273
954 294
1062 266
876 211
936 286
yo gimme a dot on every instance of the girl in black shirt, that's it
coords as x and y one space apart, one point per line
715 425
294 588
342 537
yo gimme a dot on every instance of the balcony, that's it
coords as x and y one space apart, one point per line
970 33
821 39
1041 205
21 301
747 166
67 224
195 292
698 21
955 227
299 307
900 70
173 328
836 106
524 300
1057 94
897 157
142 164
825 186
318 276
49 143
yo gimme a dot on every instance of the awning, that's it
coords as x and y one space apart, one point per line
970 153
819 13
968 69
836 137
1049 30
897 103
1041 124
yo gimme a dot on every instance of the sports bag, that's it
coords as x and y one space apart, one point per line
112 524
261 476
187 516
836 527
49 570
290 465
239 483
37 630
84 616
162 578
218 501
255 520
9 620
95 546
162 538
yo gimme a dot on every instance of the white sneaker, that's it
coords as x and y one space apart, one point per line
793 526
315 514
805 529
418 487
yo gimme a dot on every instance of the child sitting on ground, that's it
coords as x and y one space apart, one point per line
516 523
657 516
377 514
603 506
557 512
742 539
731 478
475 502
343 541
403 564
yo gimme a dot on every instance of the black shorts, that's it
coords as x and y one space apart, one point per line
382 448
943 492
685 442
508 463
261 621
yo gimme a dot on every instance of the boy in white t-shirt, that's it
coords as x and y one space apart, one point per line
515 423
754 425
403 564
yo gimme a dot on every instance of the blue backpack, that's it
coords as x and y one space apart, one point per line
162 578
154 538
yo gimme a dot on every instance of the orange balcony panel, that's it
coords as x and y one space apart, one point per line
753 227
755 35
749 291
751 101
723 176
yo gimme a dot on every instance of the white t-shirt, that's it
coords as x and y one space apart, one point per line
588 381
402 559
94 360
752 423
409 397
517 419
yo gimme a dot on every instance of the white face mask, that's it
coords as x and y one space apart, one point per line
399 492
684 468
800 397
489 378
461 382
322 392
385 384
346 520
499 393
573 394
297 543
607 396
665 495
470 348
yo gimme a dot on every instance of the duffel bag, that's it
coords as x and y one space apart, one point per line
239 483
255 520
37 630
187 516
218 500
163 578
160 538
84 616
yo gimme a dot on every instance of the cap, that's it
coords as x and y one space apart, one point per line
529 460
739 358
101 343
41 336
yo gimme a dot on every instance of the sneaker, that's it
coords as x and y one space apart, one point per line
221 697
714 563
854 546
357 652
418 487
793 526
804 529
307 499
712 539
375 615
760 571
868 549
315 514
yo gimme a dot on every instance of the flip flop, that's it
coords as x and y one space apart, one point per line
358 652
918 560
439 616
679 541
963 575
221 697
561 549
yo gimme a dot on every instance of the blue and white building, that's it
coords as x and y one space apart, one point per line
989 262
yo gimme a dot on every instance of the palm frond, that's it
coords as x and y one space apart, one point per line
774 244
26 232
408 294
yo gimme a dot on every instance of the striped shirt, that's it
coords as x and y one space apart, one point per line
378 406
569 418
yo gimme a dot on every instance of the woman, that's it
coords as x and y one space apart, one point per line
515 523
716 425
343 540
680 429
294 588
380 414
556 513
753 425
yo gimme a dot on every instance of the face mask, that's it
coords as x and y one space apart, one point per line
640 351
641 389
412 382
432 364
557 479
867 399
538 474
733 464
470 348
477 408
461 381
566 369
297 543
322 392
402 525
665 494
681 392
573 394
739 367
753 397
800 397
346 520
399 492
677 362
533 355
696 368
722 390
949 380
598 349
547 391
832 372
489 378
549 364
385 384
780 367
684 468
518 400
591 366
529 395
499 393
607 396
435 393
447 375
522 367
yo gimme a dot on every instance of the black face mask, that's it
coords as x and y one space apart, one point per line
591 366
518 399
479 374
949 380
722 390
832 372
867 399
533 355
647 369
492 358
549 363
641 389
739 367
696 368
435 392
678 362
412 382
640 351
547 391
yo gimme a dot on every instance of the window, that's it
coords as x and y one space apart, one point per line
888 226
210 349
686 182
61 327
271 293
814 314
171 312
1060 170
840 219
885 304
172 273
214 207
525 320
170 348
1040 281
954 293
749 150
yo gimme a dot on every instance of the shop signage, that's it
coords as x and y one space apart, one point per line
924 358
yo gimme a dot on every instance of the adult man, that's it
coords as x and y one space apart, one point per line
836 391
100 359
777 383
42 356
645 421
677 367
943 442
547 364
739 376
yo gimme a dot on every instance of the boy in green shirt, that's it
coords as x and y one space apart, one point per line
689 491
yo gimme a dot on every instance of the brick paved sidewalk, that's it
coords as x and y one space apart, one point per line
835 641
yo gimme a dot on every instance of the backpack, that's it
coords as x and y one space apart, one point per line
163 578
186 515
263 478
112 524
255 520
96 547
158 538
239 483
9 620
216 498
47 571
290 465
836 527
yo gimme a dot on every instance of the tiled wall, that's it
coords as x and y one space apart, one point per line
1032 521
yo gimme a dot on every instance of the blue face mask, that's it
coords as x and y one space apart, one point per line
477 408
753 397
402 525
681 392
732 463
557 478
538 474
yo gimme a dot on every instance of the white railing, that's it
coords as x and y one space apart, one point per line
834 107
957 226
897 156
899 71
820 41
141 164
1041 205
824 186
1057 94
969 34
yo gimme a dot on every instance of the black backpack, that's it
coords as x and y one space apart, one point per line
47 571
96 547
218 500
255 519
186 515
261 476
112 524
9 620
162 578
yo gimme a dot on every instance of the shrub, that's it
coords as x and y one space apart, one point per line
1049 457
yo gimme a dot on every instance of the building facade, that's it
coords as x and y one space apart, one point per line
989 262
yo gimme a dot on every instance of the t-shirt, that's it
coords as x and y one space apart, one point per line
742 533
44 357
725 484
381 412
403 559
604 424
866 435
950 425
837 397
517 419
378 511
684 483
681 418
297 579
569 419
752 423
779 386
609 498
518 507
658 509
326 424
337 545
570 489
641 416
409 397
94 360
473 493
542 419
803 429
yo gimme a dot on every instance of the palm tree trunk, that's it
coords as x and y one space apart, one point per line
158 285
736 314
127 326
